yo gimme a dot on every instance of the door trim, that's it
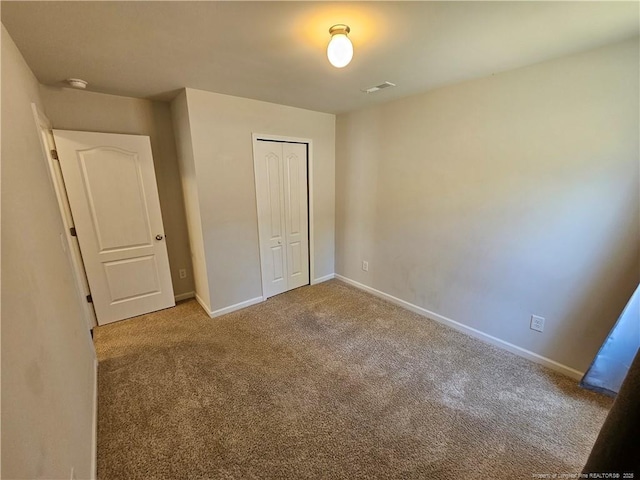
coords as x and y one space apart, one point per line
57 183
255 137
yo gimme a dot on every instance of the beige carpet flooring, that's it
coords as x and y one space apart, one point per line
328 382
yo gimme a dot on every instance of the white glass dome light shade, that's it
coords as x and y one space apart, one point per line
340 49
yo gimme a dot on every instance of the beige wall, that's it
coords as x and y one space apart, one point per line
70 109
48 361
221 128
502 197
180 115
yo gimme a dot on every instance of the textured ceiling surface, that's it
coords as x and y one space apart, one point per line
275 51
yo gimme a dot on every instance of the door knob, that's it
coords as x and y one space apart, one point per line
159 237
279 242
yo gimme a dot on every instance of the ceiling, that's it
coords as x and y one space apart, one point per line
275 51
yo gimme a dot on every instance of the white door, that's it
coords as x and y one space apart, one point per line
281 192
112 191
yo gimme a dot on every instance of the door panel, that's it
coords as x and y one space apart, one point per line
113 195
274 174
296 259
295 160
293 193
281 190
113 185
132 278
278 263
268 165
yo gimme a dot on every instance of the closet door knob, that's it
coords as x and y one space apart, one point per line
159 237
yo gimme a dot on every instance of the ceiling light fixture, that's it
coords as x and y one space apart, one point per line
340 49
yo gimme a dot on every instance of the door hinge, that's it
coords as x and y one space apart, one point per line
73 232
89 298
54 154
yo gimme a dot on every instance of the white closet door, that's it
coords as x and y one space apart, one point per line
112 192
271 218
296 214
281 193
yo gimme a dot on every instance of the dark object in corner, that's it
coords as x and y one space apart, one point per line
617 449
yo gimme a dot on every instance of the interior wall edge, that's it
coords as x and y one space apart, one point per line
203 304
179 109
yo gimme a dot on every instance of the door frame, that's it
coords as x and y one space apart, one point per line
255 137
70 245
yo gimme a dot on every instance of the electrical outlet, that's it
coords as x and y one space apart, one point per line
365 266
537 323
183 272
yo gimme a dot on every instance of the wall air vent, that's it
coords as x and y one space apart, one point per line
378 87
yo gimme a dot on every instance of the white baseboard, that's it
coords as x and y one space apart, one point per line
547 362
185 296
331 276
229 309
246 303
237 306
202 303
94 440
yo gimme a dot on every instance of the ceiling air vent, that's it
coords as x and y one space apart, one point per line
378 87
